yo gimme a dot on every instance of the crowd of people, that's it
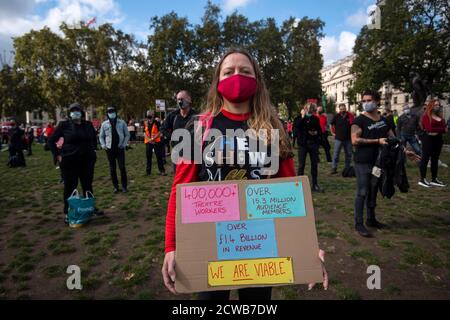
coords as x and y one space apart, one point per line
239 99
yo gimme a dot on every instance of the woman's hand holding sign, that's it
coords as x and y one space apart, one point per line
168 271
325 274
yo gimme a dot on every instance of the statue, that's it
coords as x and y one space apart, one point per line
420 92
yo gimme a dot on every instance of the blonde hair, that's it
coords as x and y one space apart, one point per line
263 113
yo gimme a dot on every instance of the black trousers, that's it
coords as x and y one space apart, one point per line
326 146
119 156
18 152
311 148
366 194
431 149
244 294
159 152
74 168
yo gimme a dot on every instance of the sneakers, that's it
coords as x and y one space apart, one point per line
437 183
124 189
363 232
334 171
434 183
116 190
424 183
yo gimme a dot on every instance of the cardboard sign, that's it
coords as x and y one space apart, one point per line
250 272
210 203
276 200
238 242
246 240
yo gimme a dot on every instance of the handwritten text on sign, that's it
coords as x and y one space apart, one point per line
276 200
212 203
250 272
246 239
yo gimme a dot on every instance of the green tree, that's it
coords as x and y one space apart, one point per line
414 37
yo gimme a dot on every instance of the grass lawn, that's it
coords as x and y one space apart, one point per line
121 254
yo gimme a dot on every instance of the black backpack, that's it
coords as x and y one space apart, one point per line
349 172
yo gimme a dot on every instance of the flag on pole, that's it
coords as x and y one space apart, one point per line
91 21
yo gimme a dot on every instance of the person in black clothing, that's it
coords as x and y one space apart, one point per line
309 136
180 118
16 146
29 133
369 131
340 127
77 156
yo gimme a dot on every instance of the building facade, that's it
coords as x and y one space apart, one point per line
337 79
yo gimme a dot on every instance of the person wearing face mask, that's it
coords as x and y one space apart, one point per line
114 137
340 128
153 142
323 119
407 127
368 132
180 118
309 137
434 127
77 155
237 100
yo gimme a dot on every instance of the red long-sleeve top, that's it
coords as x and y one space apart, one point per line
433 126
187 172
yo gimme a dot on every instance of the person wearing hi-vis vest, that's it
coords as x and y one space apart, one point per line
238 100
153 142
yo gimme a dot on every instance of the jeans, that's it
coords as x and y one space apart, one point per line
313 149
264 293
118 155
432 147
412 140
365 193
348 149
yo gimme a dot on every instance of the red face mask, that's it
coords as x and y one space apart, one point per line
237 88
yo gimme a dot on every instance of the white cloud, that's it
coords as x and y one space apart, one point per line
230 5
333 48
357 20
20 19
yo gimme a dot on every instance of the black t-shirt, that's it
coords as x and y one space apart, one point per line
304 127
368 153
247 165
343 127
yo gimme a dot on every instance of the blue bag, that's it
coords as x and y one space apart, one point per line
81 209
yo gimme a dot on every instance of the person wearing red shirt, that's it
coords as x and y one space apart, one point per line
237 99
324 125
434 126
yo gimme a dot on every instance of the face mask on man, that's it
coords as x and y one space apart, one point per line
369 106
112 115
407 111
237 88
183 104
75 115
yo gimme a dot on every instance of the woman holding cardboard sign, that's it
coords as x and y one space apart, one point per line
237 100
